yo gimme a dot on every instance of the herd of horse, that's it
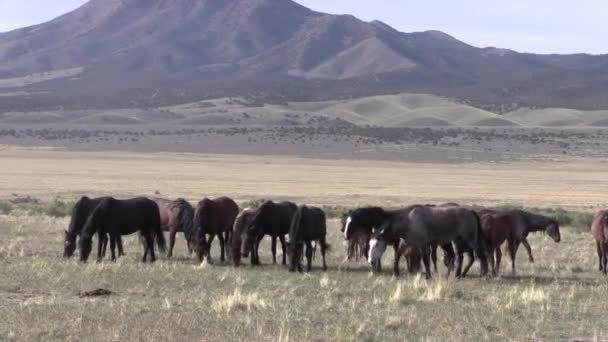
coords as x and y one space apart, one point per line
415 232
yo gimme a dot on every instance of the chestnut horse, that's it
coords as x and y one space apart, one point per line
214 218
513 226
176 216
599 229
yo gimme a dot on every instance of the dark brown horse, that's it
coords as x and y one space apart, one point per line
599 229
214 218
273 219
239 234
513 226
308 225
358 243
424 226
176 216
80 213
124 217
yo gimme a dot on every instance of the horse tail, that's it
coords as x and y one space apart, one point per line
482 243
293 241
158 232
185 217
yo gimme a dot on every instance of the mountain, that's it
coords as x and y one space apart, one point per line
157 52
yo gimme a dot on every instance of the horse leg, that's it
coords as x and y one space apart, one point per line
513 246
605 258
101 245
150 242
323 250
397 257
600 255
222 247
471 258
459 259
308 256
524 242
434 257
283 248
255 256
172 233
113 247
427 262
498 259
228 242
121 251
209 244
273 249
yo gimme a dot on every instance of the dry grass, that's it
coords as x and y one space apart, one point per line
560 296
42 173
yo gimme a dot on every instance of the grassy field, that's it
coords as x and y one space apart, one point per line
559 297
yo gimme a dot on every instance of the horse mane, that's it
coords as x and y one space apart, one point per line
185 216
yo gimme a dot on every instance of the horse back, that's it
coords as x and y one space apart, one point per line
129 215
308 224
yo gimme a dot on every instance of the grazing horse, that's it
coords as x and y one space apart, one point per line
424 226
176 216
359 226
124 217
239 234
308 225
214 218
272 219
514 226
81 211
599 229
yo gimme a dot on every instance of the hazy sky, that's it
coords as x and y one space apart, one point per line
545 26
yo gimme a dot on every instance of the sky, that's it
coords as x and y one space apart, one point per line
540 26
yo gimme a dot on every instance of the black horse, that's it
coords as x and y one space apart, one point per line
308 225
361 222
272 219
124 217
80 213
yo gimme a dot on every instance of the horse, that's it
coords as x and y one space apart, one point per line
359 225
176 216
81 211
358 244
272 219
514 226
124 217
214 218
239 234
308 225
424 226
599 229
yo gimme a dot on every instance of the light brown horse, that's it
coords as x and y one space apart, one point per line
214 218
599 229
176 216
513 226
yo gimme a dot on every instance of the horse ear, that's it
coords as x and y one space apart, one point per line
65 232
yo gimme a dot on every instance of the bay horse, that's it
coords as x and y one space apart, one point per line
214 217
176 216
81 211
599 229
513 226
124 217
424 226
358 244
239 234
273 219
308 224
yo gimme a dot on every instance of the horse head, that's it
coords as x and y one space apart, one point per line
377 246
69 244
553 231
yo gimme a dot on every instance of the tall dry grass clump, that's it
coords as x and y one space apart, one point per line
237 301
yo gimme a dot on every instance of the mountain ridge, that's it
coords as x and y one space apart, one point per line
178 50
